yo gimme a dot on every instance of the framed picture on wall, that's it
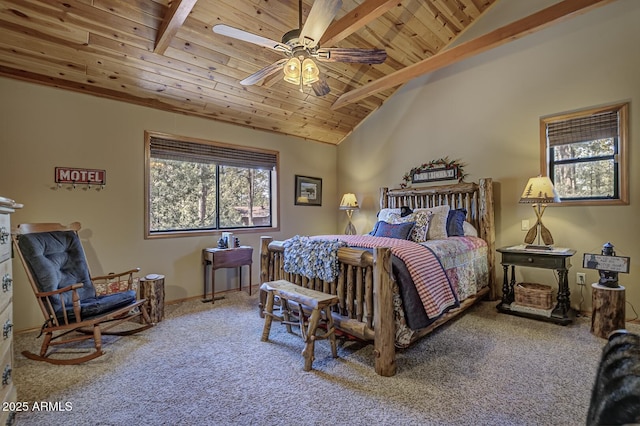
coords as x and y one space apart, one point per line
308 191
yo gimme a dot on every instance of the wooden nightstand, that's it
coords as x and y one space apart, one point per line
556 259
216 258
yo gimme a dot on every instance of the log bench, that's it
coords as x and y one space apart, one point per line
317 302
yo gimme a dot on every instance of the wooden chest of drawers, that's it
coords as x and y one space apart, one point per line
7 389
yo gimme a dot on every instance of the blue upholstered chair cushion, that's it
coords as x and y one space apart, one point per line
100 305
56 260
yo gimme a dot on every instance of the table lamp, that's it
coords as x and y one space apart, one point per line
540 192
349 203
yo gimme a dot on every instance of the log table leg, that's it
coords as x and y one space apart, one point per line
268 316
310 338
608 309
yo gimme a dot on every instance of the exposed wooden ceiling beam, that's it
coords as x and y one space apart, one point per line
554 14
178 12
356 19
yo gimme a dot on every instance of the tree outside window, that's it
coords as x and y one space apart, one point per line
195 187
584 155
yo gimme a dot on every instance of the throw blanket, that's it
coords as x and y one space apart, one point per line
432 284
313 258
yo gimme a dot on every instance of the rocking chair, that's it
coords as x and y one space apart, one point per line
56 266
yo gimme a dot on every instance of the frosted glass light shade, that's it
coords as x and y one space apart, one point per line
310 72
292 71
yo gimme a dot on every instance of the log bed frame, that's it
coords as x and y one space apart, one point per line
365 283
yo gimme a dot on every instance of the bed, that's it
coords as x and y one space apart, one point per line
368 281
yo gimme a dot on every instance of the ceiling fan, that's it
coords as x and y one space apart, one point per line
300 46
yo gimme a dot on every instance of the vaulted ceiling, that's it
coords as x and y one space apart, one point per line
163 54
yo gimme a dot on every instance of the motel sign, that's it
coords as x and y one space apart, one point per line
80 176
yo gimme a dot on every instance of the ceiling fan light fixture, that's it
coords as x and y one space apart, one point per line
310 72
292 70
301 48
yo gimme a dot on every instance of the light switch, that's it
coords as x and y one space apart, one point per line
524 226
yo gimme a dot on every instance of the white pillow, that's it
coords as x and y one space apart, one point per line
438 225
384 214
469 230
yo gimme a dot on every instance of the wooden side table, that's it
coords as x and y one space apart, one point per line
608 309
216 258
152 289
557 259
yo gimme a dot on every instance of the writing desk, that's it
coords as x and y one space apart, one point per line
217 258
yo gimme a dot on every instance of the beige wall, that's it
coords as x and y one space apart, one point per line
42 128
485 111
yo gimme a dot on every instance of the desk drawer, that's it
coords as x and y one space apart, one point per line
6 284
229 258
6 326
5 238
8 417
535 261
6 369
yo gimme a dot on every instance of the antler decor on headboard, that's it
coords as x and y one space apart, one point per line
435 170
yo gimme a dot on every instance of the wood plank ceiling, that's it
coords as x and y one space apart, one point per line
163 54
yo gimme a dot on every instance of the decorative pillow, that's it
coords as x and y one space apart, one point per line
110 287
469 230
455 221
421 219
400 231
383 214
438 226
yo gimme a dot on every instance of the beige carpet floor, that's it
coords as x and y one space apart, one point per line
205 365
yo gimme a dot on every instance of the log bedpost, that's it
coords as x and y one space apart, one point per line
264 270
487 231
383 319
384 198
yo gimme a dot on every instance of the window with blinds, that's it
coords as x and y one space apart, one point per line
194 186
585 155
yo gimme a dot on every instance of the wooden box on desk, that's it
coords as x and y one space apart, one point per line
534 295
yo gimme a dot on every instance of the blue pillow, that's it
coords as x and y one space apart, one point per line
455 222
401 231
373 231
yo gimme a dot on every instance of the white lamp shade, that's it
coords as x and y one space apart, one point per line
539 189
349 202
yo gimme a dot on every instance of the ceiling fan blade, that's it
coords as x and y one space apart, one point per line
321 14
264 73
320 87
361 56
251 38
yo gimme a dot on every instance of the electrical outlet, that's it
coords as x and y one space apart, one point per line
524 225
580 278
